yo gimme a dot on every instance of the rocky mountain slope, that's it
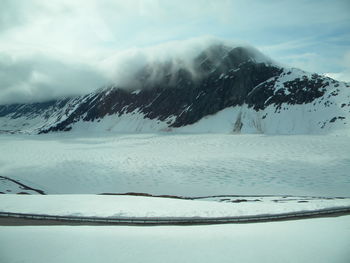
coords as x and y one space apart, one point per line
225 90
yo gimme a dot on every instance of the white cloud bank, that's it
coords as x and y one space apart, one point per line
37 76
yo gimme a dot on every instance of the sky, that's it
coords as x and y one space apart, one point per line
55 48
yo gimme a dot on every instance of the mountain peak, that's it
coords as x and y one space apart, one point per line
176 92
219 57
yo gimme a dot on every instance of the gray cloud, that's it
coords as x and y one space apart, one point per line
343 75
11 14
39 78
166 58
33 76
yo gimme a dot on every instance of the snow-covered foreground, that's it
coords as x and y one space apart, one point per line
138 206
178 164
321 240
175 164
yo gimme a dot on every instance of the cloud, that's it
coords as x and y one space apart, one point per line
122 66
63 47
38 77
168 58
343 75
12 14
33 76
340 76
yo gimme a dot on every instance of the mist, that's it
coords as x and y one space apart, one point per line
123 68
41 77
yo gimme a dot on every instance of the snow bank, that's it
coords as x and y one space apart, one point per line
138 206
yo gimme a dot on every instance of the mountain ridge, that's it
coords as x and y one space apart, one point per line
256 91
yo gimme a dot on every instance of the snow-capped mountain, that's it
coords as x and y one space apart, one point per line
224 90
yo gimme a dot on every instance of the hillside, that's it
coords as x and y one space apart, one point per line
226 89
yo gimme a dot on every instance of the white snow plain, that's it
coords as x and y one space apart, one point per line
320 240
179 164
176 164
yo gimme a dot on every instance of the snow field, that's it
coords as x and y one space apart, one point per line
185 165
320 240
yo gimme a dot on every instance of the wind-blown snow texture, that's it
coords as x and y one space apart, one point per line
227 90
188 165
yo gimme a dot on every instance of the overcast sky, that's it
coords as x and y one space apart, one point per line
51 48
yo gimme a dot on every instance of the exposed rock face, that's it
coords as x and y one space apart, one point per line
220 78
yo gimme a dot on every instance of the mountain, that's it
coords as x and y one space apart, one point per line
224 89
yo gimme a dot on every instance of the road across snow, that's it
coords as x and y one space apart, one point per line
178 164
